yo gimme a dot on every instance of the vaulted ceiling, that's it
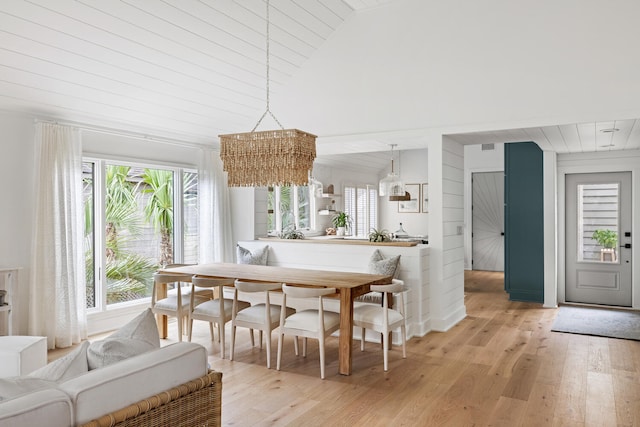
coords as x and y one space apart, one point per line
194 69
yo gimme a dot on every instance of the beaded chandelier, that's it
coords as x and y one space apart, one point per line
272 157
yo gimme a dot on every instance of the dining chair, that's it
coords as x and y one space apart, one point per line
185 288
311 323
215 309
263 316
382 318
174 304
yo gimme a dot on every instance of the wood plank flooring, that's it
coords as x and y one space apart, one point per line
500 366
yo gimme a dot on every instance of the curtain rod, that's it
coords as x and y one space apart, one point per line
124 133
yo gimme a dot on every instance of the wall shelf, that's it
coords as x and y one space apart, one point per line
327 212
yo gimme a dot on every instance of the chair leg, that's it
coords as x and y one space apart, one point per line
279 356
213 338
385 350
179 324
190 328
260 337
268 338
363 332
221 339
404 341
253 343
233 340
321 345
295 345
304 347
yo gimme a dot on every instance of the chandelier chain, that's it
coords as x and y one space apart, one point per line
268 110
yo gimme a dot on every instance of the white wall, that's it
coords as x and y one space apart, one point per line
451 303
17 164
477 160
412 166
460 65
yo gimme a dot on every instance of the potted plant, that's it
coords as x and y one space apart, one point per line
379 235
608 239
341 221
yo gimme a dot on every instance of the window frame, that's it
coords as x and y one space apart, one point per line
295 207
370 210
102 310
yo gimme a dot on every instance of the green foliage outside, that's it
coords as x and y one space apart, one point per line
608 239
130 275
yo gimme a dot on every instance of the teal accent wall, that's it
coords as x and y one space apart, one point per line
523 218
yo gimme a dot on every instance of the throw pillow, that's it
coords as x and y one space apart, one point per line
67 367
257 257
380 265
136 337
16 386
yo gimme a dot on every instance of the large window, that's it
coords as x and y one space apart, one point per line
137 218
361 204
290 208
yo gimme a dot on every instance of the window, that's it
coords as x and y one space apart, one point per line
137 218
598 211
290 207
361 204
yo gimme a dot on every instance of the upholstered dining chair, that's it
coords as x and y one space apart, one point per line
311 323
383 319
263 316
216 309
173 304
185 289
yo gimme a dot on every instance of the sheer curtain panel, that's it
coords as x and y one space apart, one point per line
57 306
216 242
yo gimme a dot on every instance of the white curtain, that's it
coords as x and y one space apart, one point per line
216 239
57 304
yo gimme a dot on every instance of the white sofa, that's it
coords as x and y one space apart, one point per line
105 390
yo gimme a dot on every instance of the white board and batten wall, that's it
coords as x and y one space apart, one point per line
414 269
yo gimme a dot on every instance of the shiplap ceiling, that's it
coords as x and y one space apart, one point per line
191 69
194 69
572 138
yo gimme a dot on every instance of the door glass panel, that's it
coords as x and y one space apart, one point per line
598 222
138 230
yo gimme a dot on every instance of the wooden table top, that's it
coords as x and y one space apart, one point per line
293 276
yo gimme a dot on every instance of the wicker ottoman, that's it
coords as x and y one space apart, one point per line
20 355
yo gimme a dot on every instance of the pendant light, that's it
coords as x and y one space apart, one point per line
273 157
391 185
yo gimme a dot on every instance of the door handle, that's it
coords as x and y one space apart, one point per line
626 246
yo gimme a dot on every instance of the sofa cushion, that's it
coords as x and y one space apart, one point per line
50 407
69 366
257 257
16 386
380 265
116 386
136 337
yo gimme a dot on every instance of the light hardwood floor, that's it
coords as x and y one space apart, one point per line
500 366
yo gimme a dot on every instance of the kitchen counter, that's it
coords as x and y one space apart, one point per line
340 240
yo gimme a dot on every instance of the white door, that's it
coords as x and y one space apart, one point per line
595 274
487 228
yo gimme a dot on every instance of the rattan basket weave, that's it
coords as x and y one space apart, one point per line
195 403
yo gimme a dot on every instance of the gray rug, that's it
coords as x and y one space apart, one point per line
598 321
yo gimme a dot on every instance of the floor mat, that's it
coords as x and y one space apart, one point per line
598 321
